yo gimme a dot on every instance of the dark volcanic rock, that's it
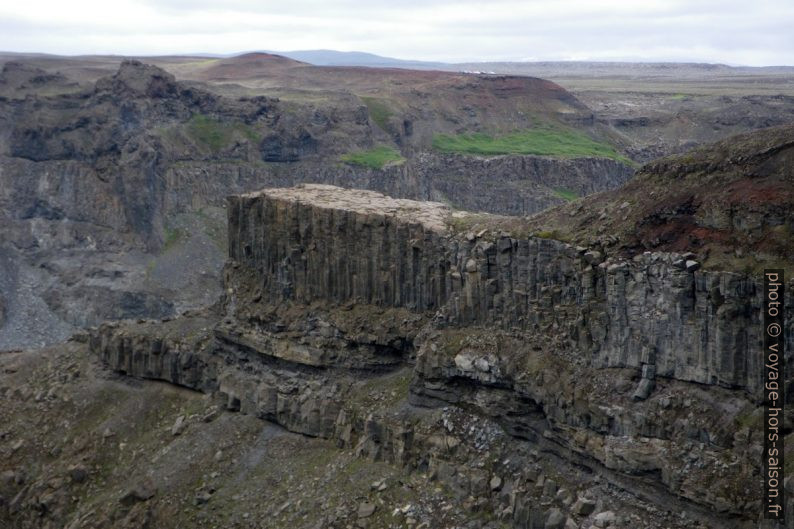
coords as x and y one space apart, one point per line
111 168
288 148
138 80
18 79
83 306
730 204
328 291
318 245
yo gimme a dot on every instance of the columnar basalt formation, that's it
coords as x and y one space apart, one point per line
638 370
323 243
119 167
383 251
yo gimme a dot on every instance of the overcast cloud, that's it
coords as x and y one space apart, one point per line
729 31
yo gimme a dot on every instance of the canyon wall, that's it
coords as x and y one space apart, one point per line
509 184
639 371
137 166
322 243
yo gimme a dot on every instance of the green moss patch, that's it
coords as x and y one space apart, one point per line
374 158
544 141
216 134
566 194
552 234
171 237
379 111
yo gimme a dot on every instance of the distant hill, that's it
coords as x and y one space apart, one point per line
247 65
356 58
547 69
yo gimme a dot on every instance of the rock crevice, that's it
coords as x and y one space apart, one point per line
314 243
637 370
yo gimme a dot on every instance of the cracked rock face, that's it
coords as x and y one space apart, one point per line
109 172
639 371
324 243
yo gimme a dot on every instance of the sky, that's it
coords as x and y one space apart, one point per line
754 33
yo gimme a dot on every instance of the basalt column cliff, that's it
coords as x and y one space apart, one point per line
546 385
319 243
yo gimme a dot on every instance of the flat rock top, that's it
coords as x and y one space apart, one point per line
432 215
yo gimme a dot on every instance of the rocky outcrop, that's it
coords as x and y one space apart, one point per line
731 203
18 80
123 136
544 423
129 144
110 169
511 185
383 252
297 374
640 371
161 355
321 243
540 390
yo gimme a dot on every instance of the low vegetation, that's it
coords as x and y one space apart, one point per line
216 134
489 227
566 194
375 158
544 141
552 234
171 237
378 111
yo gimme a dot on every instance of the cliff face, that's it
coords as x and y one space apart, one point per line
507 185
511 185
638 371
130 173
657 310
114 156
383 250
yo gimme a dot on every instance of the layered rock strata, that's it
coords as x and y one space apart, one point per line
642 372
323 243
122 172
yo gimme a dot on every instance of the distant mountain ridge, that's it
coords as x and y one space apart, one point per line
359 58
355 58
538 68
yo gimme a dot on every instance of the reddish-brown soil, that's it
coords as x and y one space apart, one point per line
731 202
250 65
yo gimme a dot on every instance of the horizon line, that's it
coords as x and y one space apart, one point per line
390 58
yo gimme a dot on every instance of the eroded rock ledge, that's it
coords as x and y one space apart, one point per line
317 242
641 373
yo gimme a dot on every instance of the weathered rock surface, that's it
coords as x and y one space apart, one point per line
725 206
332 291
378 255
18 80
315 243
114 174
509 184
